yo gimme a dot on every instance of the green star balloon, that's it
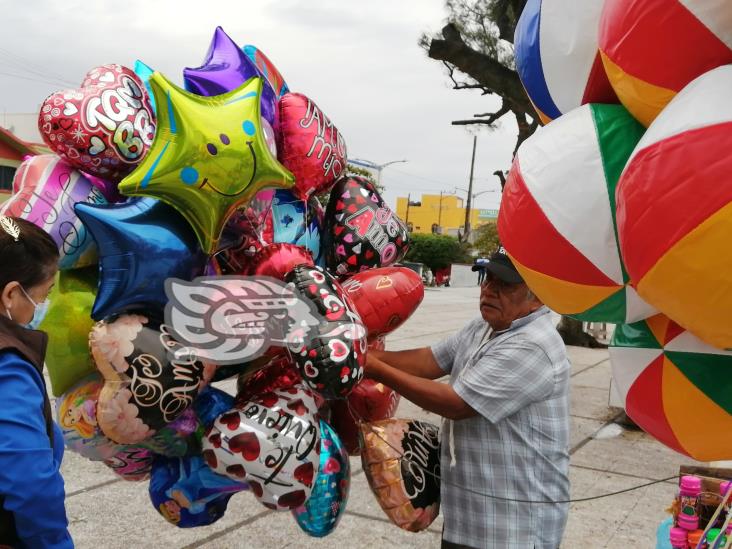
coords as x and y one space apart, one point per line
209 155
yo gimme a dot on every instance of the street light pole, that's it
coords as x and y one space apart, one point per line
374 166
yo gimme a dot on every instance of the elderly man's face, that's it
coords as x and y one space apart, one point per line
502 303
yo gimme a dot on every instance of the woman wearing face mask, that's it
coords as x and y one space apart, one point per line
32 510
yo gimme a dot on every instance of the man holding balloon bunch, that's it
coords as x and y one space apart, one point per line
505 437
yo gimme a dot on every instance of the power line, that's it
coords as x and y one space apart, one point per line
26 64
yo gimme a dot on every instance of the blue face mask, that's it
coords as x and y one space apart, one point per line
39 313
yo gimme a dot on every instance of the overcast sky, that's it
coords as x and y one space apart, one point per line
359 61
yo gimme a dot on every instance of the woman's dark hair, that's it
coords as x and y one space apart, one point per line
31 259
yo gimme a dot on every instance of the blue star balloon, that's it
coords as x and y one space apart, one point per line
141 244
225 68
321 513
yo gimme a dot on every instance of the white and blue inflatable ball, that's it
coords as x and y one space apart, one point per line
557 56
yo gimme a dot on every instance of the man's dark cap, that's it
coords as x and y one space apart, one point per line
503 268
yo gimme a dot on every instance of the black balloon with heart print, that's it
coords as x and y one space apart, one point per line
361 231
329 356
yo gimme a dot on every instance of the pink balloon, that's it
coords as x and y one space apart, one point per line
309 145
48 188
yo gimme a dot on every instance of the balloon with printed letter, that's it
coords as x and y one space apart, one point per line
187 493
147 385
557 59
272 443
131 463
48 190
401 459
321 513
331 355
361 231
309 145
105 127
209 156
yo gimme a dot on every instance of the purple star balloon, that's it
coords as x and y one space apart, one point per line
225 68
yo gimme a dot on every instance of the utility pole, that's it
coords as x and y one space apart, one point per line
439 215
466 230
409 201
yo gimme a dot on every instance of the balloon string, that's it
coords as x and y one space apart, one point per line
360 421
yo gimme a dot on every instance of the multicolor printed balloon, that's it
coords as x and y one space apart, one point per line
327 502
272 442
147 383
105 127
296 221
131 463
331 355
187 493
48 189
675 210
267 69
675 387
555 45
361 231
401 459
557 218
648 63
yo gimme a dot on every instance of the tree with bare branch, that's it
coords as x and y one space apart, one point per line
476 49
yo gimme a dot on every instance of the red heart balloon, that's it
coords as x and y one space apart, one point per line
105 127
309 145
369 401
361 231
385 298
276 260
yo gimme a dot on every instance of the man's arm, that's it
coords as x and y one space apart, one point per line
417 362
434 396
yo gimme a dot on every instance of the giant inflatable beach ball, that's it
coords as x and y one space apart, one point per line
675 387
675 210
651 49
557 217
556 54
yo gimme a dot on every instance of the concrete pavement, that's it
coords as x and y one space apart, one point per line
110 513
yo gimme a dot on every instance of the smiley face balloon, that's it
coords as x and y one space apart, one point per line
209 156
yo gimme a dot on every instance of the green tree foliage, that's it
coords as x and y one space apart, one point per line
486 239
435 251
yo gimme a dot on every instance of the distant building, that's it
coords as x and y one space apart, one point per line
12 151
446 216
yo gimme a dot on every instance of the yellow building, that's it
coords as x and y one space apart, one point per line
443 216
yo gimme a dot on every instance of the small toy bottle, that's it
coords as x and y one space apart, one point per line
689 490
694 538
678 538
712 536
